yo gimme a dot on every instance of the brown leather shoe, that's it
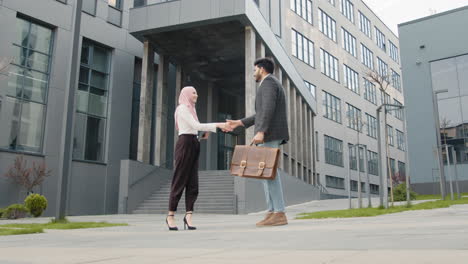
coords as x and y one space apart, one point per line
277 219
267 216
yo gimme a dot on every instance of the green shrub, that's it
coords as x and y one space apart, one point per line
399 193
36 204
15 211
2 211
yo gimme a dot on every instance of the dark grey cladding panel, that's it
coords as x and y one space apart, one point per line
175 15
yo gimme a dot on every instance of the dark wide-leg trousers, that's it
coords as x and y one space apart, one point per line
185 176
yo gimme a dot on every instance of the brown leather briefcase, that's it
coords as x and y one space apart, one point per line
255 162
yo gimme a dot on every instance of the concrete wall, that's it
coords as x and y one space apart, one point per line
93 187
443 36
137 182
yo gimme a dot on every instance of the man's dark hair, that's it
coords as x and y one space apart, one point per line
266 63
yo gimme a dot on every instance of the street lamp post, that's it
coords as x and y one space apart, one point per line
384 181
439 144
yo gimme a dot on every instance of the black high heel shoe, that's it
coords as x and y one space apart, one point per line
171 228
186 224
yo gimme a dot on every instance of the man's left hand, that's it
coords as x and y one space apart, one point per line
259 138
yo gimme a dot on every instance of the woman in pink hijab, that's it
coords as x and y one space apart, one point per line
187 152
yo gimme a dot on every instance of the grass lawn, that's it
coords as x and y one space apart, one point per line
65 225
18 229
437 196
366 212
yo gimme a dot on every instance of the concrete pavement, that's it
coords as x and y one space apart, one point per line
432 236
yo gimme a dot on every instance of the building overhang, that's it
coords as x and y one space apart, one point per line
157 21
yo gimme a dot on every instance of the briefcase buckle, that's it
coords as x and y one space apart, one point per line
243 164
261 165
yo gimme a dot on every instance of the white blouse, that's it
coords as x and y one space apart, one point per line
188 125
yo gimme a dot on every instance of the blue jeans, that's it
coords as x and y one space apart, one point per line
273 188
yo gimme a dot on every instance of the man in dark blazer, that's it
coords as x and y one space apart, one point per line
271 130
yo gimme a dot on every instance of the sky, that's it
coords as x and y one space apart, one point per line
394 12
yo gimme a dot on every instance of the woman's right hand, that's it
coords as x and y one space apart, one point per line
225 127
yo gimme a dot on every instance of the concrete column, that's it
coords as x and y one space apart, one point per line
300 137
210 118
294 126
146 97
279 76
177 93
259 48
161 112
313 157
311 144
288 147
250 86
306 141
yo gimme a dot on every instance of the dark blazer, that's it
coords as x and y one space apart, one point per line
270 111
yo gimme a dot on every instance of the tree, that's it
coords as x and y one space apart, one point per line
382 81
28 178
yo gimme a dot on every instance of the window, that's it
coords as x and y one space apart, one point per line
380 39
354 118
396 80
332 107
329 65
92 97
353 158
114 15
24 105
303 8
351 79
373 163
354 186
374 189
311 87
385 99
402 170
367 57
370 92
333 151
371 126
349 42
383 68
365 25
400 140
115 3
398 112
394 52
347 9
89 6
390 135
327 25
302 48
138 3
392 166
334 182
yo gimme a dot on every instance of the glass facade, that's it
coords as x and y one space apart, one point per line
452 74
23 102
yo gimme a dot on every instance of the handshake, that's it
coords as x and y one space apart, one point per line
229 125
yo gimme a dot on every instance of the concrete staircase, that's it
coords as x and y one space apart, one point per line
216 195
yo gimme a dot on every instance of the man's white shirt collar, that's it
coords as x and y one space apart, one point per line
264 79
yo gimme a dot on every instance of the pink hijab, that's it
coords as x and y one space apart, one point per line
185 99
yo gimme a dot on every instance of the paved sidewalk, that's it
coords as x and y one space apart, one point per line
432 236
